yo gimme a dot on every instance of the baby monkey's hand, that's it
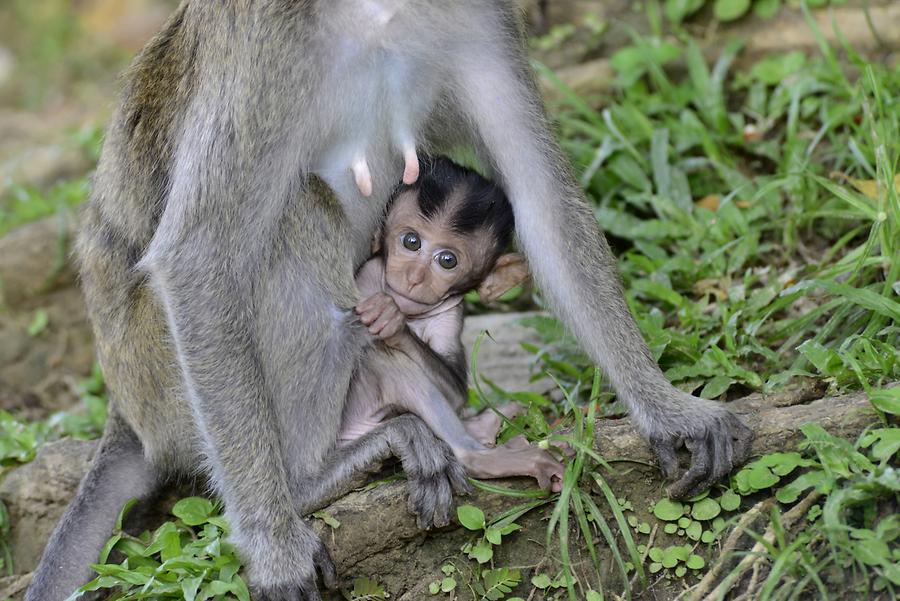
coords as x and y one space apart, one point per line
382 316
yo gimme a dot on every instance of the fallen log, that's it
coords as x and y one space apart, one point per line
378 538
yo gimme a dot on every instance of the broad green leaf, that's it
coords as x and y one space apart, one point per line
482 552
193 511
668 510
886 400
695 562
470 517
760 478
730 500
729 10
790 492
887 442
706 509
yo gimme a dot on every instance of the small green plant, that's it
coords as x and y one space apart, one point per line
187 558
485 583
365 589
20 441
492 534
39 323
731 10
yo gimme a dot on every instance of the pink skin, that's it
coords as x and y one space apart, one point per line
363 176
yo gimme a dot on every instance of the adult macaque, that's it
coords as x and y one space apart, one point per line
219 248
442 237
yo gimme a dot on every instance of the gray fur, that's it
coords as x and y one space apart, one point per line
218 266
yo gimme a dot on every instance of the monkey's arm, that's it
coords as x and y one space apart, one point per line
572 262
439 352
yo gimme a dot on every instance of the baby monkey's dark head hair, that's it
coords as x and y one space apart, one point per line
469 202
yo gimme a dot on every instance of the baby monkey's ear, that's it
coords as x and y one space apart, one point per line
509 270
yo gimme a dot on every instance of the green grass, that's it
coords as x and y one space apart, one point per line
758 222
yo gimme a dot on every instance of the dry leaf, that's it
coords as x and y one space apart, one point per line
866 187
714 286
710 202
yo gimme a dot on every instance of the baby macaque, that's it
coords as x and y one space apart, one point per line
443 235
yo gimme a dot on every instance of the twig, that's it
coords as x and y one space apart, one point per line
730 545
757 553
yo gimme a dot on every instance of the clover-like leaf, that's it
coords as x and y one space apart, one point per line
706 509
470 517
668 510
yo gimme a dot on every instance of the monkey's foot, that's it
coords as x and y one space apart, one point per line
362 176
717 440
433 472
411 165
286 570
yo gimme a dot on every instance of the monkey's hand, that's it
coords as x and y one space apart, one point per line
382 316
433 471
716 438
284 569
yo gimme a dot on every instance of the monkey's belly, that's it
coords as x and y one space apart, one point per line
383 91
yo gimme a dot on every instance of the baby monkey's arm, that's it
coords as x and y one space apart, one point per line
442 359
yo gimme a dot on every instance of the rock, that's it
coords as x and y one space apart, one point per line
39 372
34 259
13 587
42 166
37 493
501 357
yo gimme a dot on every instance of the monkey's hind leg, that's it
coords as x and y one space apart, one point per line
119 473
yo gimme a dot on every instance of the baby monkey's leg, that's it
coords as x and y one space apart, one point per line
485 426
411 388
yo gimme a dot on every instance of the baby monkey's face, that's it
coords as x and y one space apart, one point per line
425 260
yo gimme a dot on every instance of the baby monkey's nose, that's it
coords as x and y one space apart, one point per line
416 274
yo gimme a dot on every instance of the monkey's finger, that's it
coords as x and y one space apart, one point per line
394 326
411 168
379 326
743 442
665 454
309 592
458 479
369 303
362 176
517 443
326 567
442 502
701 454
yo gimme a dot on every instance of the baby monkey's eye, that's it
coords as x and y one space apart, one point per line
411 241
447 260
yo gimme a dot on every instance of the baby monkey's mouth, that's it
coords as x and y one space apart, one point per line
409 302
